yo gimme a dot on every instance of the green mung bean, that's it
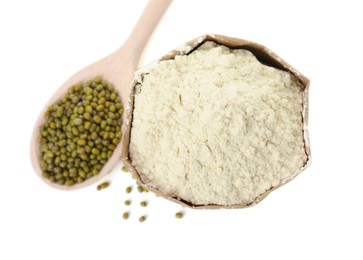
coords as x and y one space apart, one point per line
126 215
143 203
103 185
142 218
80 132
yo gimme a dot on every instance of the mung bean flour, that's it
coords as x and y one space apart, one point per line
217 127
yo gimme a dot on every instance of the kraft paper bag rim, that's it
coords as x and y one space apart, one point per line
265 56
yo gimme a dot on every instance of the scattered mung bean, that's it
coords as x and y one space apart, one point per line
126 215
143 203
142 218
140 189
103 185
128 189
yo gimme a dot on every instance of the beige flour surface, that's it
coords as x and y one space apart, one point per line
217 127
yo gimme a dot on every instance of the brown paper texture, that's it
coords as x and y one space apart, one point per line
265 56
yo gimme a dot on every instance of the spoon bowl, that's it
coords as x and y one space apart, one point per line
117 68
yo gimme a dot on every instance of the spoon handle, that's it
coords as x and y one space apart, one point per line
142 31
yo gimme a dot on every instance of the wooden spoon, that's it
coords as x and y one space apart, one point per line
117 68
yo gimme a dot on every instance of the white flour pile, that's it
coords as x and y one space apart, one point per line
217 127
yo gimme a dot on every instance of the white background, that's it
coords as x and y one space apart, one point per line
316 216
